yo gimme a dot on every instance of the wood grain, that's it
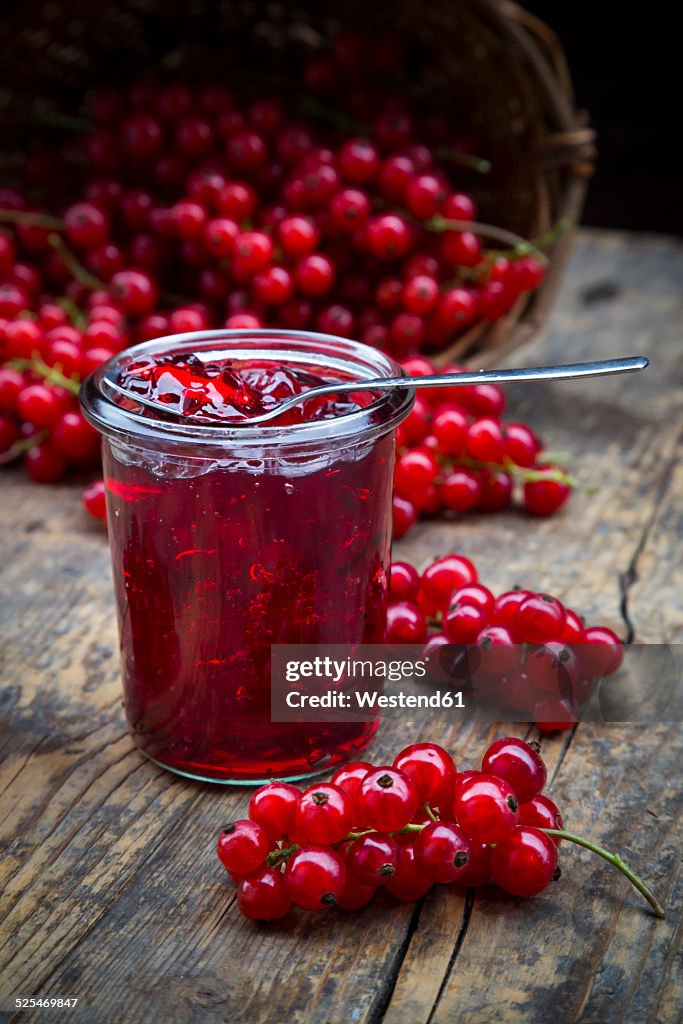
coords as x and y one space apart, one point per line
110 888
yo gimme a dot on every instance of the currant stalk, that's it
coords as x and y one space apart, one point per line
615 860
49 373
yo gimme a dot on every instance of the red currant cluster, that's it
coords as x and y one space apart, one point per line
526 651
40 418
197 209
455 454
403 827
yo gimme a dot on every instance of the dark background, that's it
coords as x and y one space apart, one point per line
626 66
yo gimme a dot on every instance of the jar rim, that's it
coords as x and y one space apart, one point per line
328 351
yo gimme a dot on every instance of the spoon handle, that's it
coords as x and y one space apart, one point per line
569 371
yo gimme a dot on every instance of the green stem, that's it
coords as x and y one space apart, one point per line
528 475
77 269
41 220
21 447
517 246
77 317
311 108
277 856
474 163
56 119
535 245
51 373
554 457
429 812
521 246
615 860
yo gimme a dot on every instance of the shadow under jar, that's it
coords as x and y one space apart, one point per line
227 538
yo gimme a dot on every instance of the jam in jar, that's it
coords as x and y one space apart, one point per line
228 537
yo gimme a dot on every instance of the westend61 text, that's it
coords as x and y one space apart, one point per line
370 700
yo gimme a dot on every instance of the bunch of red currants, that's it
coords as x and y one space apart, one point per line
403 827
525 650
192 207
456 455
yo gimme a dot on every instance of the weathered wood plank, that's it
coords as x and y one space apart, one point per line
110 886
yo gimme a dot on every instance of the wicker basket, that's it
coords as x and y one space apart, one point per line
499 65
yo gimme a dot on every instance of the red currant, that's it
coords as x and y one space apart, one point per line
506 605
404 515
314 274
539 618
39 404
451 431
424 195
387 800
431 769
274 808
486 808
541 812
45 463
478 869
420 295
544 497
463 623
518 764
460 490
526 273
603 652
315 877
484 441
263 895
553 668
498 653
299 236
325 814
358 160
443 851
388 237
242 847
350 776
355 893
525 862
409 881
133 291
440 579
520 444
85 225
405 623
373 858
253 251
94 500
403 581
555 714
457 310
415 471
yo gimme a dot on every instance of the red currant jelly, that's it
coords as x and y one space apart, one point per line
228 537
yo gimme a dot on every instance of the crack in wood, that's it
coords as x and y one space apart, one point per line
460 938
630 575
567 741
378 1010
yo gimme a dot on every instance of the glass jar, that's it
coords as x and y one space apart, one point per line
226 539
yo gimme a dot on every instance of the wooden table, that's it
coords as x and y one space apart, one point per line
112 892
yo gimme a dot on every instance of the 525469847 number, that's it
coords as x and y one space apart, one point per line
53 1003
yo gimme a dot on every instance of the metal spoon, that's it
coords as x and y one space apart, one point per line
569 371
